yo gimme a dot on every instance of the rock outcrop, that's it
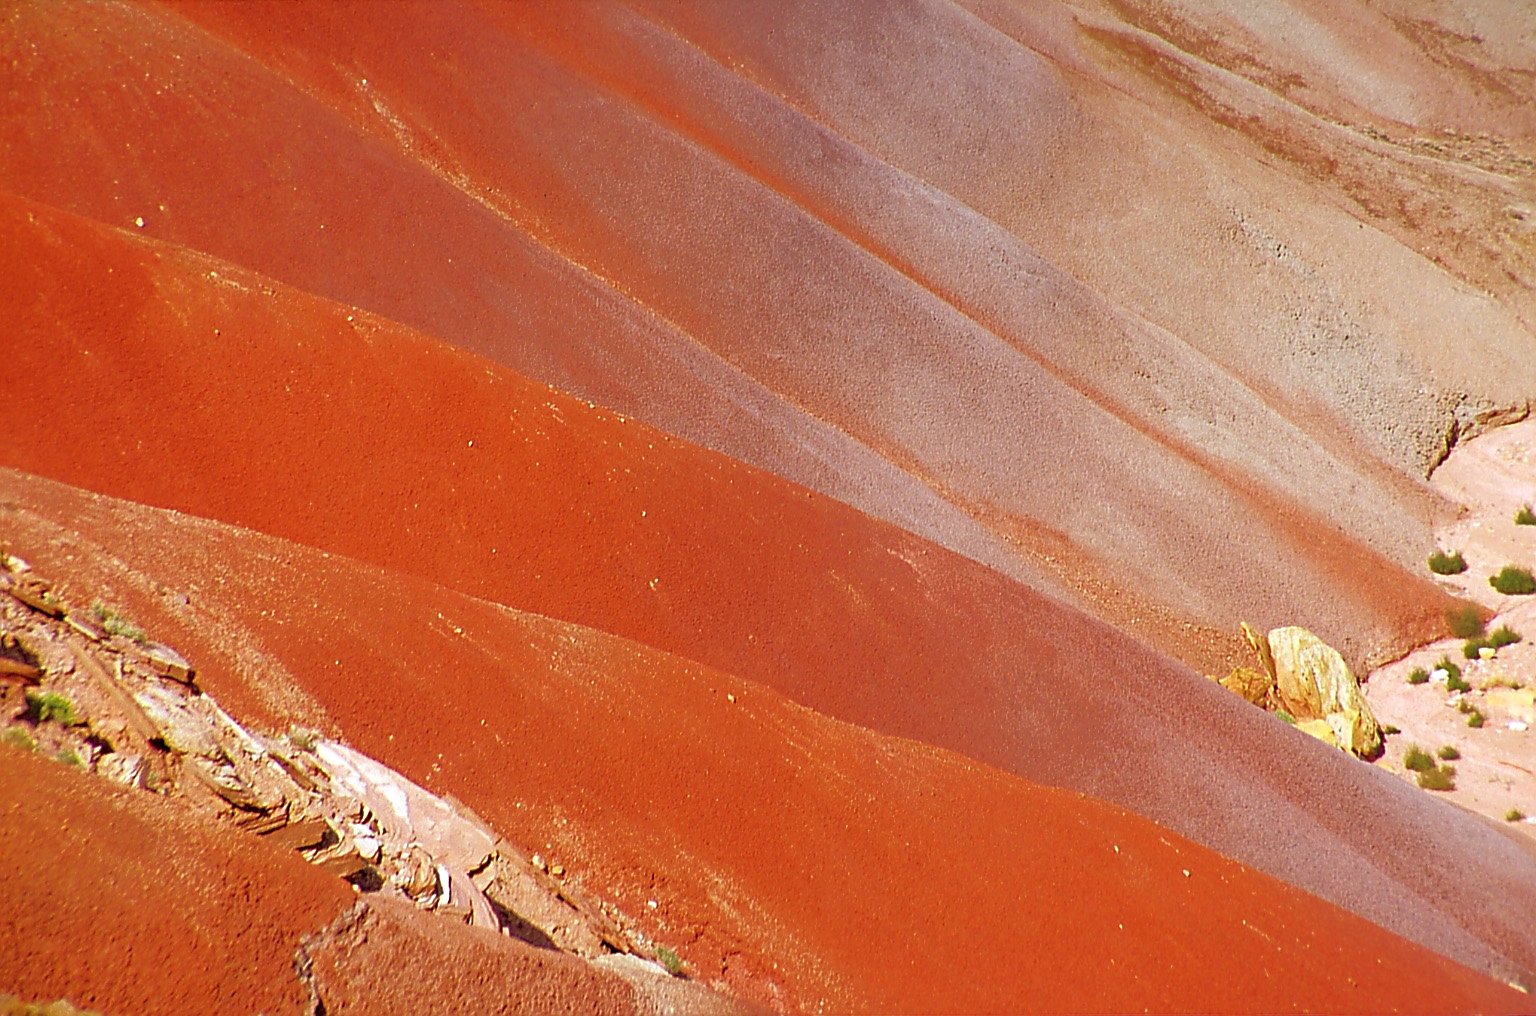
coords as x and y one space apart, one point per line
1307 679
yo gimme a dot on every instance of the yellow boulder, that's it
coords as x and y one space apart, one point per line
1312 682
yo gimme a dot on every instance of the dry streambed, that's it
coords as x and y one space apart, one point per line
1484 720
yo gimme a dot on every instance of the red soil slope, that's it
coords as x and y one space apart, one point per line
125 903
744 223
797 860
195 386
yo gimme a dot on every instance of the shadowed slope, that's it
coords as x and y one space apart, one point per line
775 243
196 386
794 859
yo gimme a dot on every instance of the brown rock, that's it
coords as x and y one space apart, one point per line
17 670
301 835
1250 684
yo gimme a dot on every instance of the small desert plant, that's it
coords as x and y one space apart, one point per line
116 624
1448 753
1418 676
1514 815
45 706
1442 563
1441 778
670 960
1451 670
1287 717
70 757
1455 683
1503 636
1525 516
1417 759
18 738
1475 718
302 738
1465 622
1472 649
1390 729
1513 581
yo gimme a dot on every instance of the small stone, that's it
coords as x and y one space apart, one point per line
139 221
537 860
557 870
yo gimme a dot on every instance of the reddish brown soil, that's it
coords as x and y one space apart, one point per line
125 903
334 433
439 966
794 859
744 223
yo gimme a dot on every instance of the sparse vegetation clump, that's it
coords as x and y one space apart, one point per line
114 623
1465 622
1449 753
70 757
1442 563
1417 760
50 706
1513 581
16 737
1438 778
1525 516
1497 639
1455 682
1287 717
1418 676
669 960
1452 672
1475 718
1514 815
1503 636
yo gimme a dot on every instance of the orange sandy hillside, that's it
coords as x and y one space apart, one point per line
794 859
744 223
196 386
123 903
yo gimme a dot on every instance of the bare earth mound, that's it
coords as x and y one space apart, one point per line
1129 302
330 432
856 872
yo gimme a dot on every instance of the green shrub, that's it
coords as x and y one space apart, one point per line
1418 676
1442 563
1525 516
1449 753
116 624
45 706
1417 759
1513 581
1514 815
1465 622
18 738
1451 670
70 757
1474 719
1472 649
1442 778
1455 683
670 960
1503 636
